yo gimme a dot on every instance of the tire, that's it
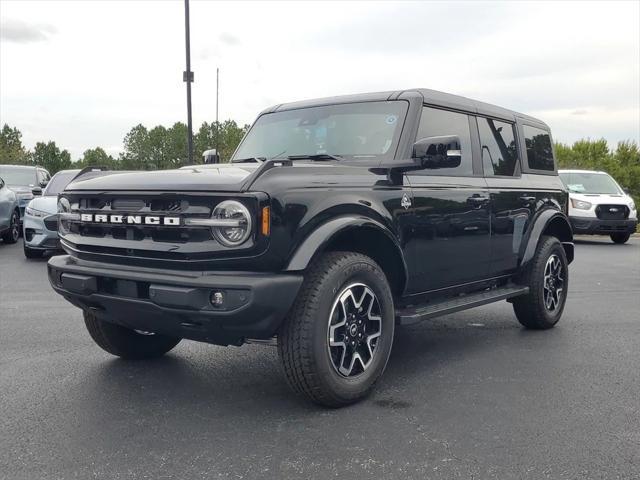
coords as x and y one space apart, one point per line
540 309
620 237
125 343
13 233
330 375
31 253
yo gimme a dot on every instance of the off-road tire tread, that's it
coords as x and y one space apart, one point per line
296 335
125 343
529 308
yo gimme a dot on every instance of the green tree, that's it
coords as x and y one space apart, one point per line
96 157
49 156
226 135
11 149
136 154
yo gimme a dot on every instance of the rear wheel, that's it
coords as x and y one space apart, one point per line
336 340
547 276
13 233
126 343
620 237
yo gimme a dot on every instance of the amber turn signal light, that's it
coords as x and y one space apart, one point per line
266 221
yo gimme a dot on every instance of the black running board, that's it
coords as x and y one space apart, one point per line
418 313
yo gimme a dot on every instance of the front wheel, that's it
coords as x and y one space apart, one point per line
126 343
336 340
547 277
620 237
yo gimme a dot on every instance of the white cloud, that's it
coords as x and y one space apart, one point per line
112 65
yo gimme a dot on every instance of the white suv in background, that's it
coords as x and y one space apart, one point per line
598 205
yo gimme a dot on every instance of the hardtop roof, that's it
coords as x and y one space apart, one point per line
432 97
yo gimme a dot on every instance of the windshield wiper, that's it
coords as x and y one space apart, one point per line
249 159
317 156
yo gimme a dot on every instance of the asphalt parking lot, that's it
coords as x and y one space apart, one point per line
470 395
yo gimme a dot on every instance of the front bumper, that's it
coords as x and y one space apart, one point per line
177 303
37 236
595 226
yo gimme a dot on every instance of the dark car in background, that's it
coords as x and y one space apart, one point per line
26 181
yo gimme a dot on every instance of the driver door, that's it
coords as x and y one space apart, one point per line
449 243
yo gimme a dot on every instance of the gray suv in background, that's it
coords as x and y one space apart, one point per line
9 214
40 220
26 181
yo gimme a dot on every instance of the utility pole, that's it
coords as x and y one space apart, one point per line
217 124
187 76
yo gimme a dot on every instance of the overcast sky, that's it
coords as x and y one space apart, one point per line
83 73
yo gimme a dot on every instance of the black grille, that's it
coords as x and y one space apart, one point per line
612 212
51 223
135 242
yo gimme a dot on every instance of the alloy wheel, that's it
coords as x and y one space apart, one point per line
553 283
15 227
355 324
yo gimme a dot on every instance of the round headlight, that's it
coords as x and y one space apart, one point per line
63 205
63 224
239 231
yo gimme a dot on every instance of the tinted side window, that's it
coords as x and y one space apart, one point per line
436 123
498 143
539 149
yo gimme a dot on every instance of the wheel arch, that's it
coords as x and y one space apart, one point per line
355 234
549 223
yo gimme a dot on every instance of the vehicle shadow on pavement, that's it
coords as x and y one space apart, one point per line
248 381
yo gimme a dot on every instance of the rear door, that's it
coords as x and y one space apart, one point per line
449 242
511 204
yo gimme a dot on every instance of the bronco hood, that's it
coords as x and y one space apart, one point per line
223 177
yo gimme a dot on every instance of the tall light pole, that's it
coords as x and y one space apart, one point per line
187 76
217 122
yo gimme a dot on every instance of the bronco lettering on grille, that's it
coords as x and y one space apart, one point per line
130 219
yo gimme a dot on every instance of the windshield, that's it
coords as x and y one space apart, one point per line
18 175
585 182
352 130
59 182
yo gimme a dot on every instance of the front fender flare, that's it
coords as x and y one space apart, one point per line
317 240
562 230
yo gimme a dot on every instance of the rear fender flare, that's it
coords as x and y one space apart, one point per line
552 220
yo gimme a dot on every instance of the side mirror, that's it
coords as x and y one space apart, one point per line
438 152
37 191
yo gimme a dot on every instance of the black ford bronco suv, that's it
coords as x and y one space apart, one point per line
336 220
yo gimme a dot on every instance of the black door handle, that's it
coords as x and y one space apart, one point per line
477 201
526 199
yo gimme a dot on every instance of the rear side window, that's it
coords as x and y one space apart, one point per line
539 149
436 123
499 151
